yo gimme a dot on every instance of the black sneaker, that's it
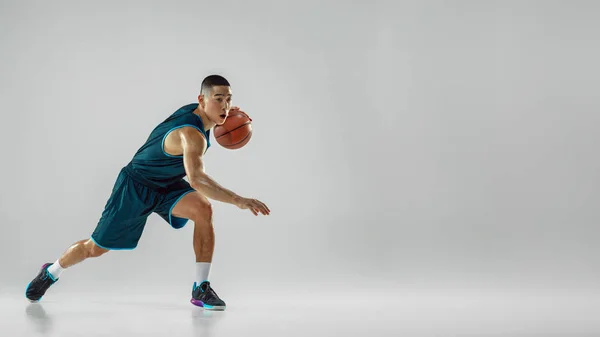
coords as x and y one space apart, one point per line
203 295
40 284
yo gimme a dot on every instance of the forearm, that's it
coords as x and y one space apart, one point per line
211 189
194 145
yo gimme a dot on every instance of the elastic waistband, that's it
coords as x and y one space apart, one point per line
130 171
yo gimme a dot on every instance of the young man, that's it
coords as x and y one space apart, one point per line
152 182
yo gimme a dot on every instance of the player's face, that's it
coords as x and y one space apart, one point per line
217 104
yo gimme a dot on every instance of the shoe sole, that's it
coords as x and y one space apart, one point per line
201 304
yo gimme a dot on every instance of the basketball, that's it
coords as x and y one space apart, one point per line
236 132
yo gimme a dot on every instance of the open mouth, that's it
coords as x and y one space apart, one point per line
223 116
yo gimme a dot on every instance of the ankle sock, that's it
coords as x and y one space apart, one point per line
55 269
202 271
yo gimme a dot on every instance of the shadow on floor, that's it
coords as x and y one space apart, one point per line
39 319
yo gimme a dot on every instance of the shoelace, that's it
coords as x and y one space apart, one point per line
210 292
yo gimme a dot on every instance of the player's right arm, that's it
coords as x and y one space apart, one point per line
193 145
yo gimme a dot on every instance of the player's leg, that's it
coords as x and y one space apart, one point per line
196 207
182 204
120 227
76 253
50 272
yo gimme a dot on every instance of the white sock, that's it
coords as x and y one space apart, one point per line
202 271
55 269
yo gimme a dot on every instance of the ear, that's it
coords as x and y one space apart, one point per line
201 100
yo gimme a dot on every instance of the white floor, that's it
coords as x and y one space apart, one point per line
316 312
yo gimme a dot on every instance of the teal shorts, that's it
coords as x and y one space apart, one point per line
128 207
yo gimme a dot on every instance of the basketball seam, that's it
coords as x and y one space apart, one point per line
248 135
223 134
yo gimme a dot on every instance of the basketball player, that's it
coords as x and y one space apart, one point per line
152 182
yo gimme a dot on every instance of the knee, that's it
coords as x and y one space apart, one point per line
202 212
93 250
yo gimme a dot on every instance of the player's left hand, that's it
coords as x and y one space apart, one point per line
255 206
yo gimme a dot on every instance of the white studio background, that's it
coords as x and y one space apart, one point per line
396 143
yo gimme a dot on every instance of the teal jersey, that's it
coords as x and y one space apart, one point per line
151 164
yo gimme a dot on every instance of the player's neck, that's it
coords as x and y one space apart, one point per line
208 124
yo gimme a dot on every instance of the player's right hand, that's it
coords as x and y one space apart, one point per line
255 206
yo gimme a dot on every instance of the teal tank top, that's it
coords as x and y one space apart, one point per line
151 165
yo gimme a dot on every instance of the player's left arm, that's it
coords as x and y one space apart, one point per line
194 145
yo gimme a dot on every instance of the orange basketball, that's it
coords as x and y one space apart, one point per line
235 132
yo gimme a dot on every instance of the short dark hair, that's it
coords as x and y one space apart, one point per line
212 81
